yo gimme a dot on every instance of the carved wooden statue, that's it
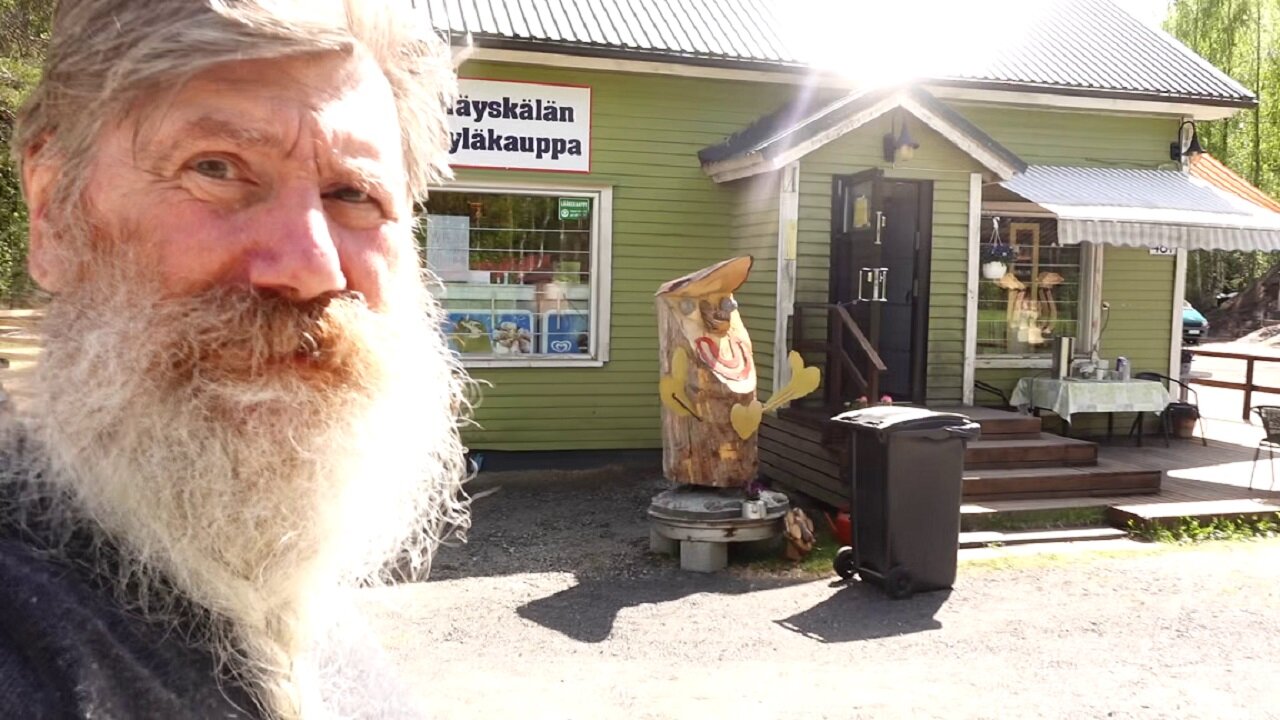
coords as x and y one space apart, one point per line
708 386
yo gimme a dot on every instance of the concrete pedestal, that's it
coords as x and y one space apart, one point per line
703 556
662 544
703 521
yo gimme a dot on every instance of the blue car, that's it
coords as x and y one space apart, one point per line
1194 326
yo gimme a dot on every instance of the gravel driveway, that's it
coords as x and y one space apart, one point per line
555 610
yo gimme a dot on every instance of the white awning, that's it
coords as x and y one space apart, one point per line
1146 208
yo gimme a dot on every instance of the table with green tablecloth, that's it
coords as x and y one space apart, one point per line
1073 396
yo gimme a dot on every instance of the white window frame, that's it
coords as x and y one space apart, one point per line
1090 303
601 268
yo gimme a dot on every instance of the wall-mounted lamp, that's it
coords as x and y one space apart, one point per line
899 146
1184 146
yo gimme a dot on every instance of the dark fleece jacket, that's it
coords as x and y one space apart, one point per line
68 650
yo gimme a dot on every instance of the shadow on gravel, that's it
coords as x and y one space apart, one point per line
591 522
586 612
862 612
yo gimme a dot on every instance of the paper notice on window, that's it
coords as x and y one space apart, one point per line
448 245
861 211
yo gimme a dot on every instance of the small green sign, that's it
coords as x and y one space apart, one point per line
574 208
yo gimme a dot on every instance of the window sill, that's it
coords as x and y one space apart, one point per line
532 363
1012 361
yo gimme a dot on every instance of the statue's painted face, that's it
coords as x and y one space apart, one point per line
717 313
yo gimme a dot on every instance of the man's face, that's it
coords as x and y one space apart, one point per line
246 385
283 175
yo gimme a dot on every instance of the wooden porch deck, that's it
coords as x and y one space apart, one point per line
1198 481
1017 469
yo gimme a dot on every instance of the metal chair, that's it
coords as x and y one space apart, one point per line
1174 406
1270 415
993 390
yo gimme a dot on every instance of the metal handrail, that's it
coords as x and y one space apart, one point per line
1248 386
834 347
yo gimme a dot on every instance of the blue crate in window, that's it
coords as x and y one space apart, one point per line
513 332
470 332
485 332
566 332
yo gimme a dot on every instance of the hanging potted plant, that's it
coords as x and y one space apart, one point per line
996 256
996 260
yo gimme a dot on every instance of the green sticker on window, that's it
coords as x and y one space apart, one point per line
574 208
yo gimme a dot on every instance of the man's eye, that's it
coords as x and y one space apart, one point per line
215 168
349 195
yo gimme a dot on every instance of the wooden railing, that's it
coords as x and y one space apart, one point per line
840 365
1248 386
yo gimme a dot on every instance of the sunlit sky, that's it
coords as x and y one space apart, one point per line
887 43
1152 12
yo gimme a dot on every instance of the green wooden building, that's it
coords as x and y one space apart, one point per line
603 148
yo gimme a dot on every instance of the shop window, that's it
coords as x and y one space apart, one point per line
1030 289
520 272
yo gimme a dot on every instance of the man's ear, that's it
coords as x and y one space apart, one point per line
40 172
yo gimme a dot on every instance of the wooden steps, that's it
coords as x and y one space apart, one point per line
1104 478
803 450
1204 511
999 424
996 538
1043 450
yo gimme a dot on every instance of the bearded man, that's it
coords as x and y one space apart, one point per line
245 402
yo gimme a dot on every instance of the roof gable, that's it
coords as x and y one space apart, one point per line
813 120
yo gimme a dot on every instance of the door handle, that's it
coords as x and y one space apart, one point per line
877 278
866 275
880 221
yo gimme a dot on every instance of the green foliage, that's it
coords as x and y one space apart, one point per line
1190 530
1240 37
15 283
24 34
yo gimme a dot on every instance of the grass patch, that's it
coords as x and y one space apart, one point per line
816 564
1186 530
1035 519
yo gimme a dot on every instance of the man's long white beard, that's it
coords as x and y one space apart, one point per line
255 458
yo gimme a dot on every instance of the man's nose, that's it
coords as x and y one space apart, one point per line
296 255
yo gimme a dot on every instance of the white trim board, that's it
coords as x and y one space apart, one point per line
601 301
968 374
784 304
1179 296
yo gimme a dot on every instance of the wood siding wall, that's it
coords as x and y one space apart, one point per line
669 219
754 232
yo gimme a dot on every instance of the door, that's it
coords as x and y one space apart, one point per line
880 247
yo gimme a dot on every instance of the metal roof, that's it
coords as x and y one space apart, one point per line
1086 47
1146 208
1094 45
1211 170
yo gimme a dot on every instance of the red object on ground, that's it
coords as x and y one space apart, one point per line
841 527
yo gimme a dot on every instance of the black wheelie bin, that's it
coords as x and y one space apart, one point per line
907 465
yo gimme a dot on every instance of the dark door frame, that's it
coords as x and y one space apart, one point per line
842 277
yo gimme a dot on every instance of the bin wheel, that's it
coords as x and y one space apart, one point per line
844 563
898 583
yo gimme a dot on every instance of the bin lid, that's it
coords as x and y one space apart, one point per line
896 418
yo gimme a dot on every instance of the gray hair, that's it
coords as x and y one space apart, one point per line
107 56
